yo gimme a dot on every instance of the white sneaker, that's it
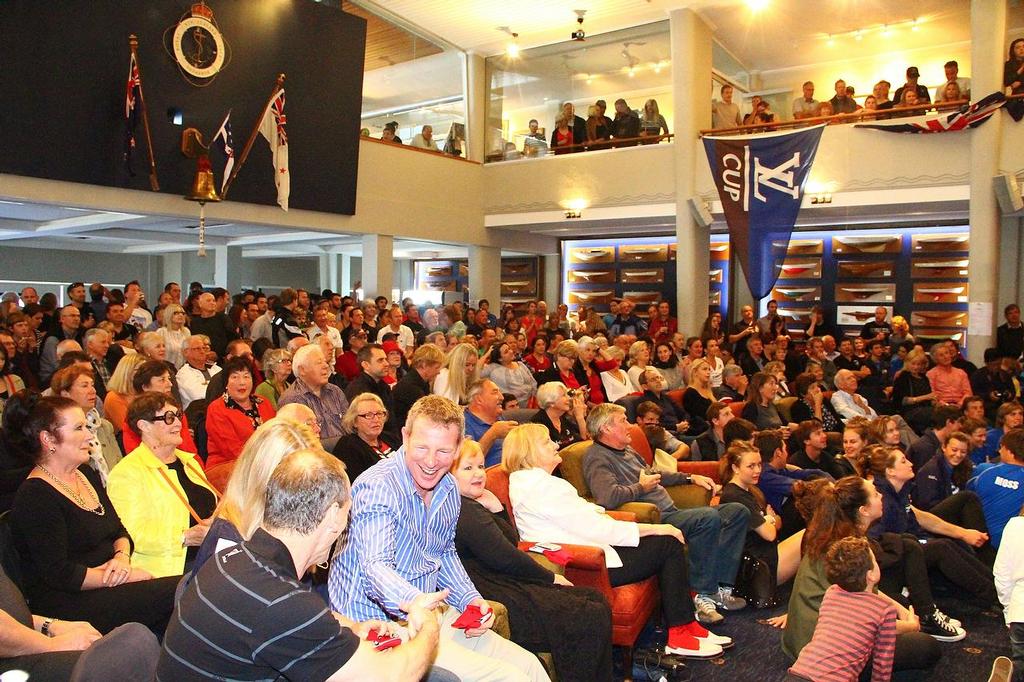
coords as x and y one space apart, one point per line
707 613
939 615
695 648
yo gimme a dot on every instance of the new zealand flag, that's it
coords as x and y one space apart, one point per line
760 180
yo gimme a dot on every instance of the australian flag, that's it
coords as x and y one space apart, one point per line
228 145
967 116
131 112
760 180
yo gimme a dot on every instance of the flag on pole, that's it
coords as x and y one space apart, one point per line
968 116
131 112
760 180
228 145
273 129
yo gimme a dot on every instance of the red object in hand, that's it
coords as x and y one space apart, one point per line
382 641
471 619
558 556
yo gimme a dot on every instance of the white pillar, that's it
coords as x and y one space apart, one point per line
988 32
476 106
227 268
324 272
691 80
485 275
173 271
378 265
345 277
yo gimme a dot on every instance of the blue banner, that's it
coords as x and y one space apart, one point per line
760 180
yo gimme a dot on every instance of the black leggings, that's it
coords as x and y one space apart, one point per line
957 563
149 602
916 654
910 571
964 509
664 557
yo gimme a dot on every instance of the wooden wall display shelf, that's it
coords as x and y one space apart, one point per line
859 269
719 251
646 276
592 254
437 271
592 277
852 315
463 269
518 302
880 244
796 294
515 269
938 268
642 253
802 247
928 335
439 285
796 317
521 286
923 243
715 298
939 318
940 292
801 268
858 293
590 298
715 276
642 298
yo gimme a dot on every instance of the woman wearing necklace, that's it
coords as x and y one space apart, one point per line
77 382
365 444
230 420
160 491
76 554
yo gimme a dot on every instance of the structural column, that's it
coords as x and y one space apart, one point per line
691 73
476 104
378 265
227 268
485 275
988 32
172 272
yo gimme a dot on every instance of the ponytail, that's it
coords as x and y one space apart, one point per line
835 516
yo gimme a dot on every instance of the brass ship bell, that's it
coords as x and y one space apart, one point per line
204 185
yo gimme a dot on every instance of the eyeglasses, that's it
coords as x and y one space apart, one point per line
373 415
167 417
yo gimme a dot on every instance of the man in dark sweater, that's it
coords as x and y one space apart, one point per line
945 420
216 326
425 366
1010 335
374 364
616 474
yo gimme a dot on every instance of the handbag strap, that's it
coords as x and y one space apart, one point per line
181 496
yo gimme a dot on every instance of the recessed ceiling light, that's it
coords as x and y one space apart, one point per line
916 25
831 40
858 34
757 5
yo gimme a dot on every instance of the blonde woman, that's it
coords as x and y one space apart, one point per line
698 396
174 332
639 357
277 367
240 511
652 123
365 442
120 390
461 370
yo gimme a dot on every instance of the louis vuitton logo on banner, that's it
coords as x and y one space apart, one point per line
779 178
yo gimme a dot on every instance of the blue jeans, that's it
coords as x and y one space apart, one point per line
715 537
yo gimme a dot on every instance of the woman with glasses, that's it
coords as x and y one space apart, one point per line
154 376
76 554
233 417
366 443
159 491
277 367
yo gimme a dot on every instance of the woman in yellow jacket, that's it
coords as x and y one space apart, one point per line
160 492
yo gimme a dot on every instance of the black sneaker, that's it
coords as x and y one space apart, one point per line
941 630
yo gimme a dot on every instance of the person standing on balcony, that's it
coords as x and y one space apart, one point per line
841 103
725 113
922 92
805 106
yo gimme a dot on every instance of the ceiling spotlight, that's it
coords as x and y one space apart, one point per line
916 25
831 40
858 34
632 72
657 67
579 34
885 30
512 50
757 5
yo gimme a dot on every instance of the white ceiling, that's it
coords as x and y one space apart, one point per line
26 225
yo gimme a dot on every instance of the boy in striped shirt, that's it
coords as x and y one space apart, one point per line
855 625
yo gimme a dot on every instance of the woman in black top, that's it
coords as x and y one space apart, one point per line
76 554
564 417
545 612
812 404
912 392
366 444
740 469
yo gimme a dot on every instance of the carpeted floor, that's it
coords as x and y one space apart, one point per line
757 655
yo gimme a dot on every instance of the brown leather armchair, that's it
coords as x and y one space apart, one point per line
571 469
632 605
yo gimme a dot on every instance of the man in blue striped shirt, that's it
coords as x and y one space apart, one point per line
401 548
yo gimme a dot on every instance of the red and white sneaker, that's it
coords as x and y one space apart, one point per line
702 633
683 641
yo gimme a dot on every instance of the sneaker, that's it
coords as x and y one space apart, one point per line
939 615
725 599
707 613
1002 670
691 647
700 632
942 630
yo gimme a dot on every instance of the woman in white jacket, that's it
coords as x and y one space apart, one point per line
548 509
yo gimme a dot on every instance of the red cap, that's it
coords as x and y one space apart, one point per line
391 347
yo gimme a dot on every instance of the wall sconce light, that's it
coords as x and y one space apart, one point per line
573 213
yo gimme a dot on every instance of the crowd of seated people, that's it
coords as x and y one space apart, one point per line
843 104
868 435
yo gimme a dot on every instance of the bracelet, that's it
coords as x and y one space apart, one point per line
45 627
